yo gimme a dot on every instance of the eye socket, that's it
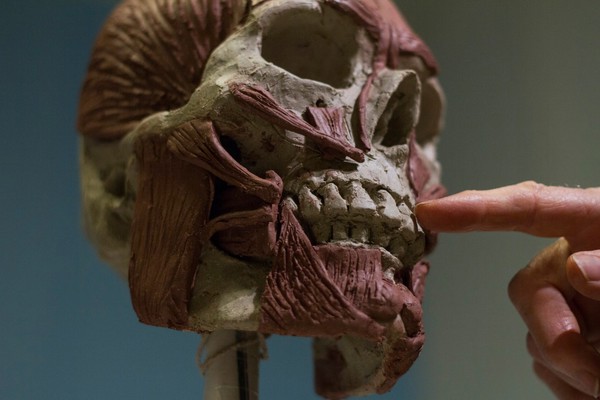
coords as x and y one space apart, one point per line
317 44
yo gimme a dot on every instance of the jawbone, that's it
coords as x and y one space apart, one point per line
340 295
360 301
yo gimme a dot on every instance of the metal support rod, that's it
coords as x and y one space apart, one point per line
230 366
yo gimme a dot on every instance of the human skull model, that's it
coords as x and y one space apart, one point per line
254 165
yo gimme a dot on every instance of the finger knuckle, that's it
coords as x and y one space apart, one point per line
532 186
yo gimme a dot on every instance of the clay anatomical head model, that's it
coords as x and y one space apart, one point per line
254 165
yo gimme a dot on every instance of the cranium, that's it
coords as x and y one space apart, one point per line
255 166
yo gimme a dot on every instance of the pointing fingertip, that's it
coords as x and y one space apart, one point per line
419 211
420 207
424 204
423 212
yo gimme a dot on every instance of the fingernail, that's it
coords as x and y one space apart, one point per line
589 265
591 383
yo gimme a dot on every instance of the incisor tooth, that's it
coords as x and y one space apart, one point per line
387 209
404 209
408 222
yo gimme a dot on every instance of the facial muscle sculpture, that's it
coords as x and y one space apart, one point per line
254 165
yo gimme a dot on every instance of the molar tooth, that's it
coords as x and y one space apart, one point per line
360 233
409 235
288 201
415 250
322 232
398 247
359 200
386 207
408 230
380 237
310 205
334 203
419 242
390 262
340 231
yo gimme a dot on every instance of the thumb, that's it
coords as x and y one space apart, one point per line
583 271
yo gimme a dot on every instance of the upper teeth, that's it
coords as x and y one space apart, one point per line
348 212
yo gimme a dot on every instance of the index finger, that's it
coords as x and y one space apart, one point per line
528 207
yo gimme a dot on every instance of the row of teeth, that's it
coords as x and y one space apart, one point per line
349 213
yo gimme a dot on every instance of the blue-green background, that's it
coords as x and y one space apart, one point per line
524 97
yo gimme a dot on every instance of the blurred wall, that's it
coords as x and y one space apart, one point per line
523 88
67 330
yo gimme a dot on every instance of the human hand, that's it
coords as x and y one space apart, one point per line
558 293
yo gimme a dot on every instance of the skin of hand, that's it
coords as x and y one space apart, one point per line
558 293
